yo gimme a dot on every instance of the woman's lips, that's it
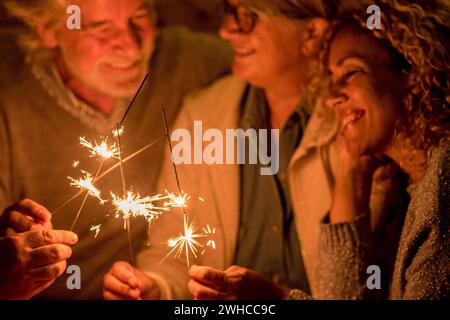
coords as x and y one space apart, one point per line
350 117
123 67
244 52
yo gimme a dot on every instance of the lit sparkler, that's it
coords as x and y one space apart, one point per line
102 150
189 242
86 183
186 242
133 206
176 201
118 132
106 173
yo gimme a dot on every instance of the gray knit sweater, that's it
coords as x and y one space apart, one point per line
421 268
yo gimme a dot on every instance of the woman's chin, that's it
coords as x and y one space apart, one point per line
355 148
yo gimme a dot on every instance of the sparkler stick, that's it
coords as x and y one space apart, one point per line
166 133
85 198
187 230
122 175
124 186
188 240
118 130
132 100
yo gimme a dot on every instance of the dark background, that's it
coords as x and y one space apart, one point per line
201 15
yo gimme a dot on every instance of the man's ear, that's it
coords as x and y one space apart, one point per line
316 29
47 36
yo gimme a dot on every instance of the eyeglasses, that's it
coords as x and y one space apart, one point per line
245 18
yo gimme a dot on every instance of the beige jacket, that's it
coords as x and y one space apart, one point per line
218 185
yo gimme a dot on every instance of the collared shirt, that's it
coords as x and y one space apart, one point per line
268 242
49 77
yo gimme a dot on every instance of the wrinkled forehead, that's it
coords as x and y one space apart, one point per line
111 7
115 10
109 4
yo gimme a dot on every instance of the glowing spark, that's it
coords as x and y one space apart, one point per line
201 199
208 231
188 242
75 164
117 132
86 183
135 206
101 150
96 229
176 201
212 244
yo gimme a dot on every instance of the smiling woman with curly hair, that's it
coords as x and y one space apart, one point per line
390 88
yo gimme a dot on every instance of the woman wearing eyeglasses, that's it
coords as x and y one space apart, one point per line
253 214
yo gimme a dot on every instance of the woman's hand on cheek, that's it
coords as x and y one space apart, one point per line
351 196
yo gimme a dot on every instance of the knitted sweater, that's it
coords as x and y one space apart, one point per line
39 141
422 264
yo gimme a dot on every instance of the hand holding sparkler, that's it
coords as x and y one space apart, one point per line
235 283
25 215
32 260
124 282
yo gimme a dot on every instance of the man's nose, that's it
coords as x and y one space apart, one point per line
229 27
128 43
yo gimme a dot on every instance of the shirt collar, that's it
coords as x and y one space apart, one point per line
49 77
255 110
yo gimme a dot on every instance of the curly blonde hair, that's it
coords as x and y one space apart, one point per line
293 8
417 33
34 13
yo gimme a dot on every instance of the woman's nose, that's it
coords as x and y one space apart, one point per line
335 98
229 27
